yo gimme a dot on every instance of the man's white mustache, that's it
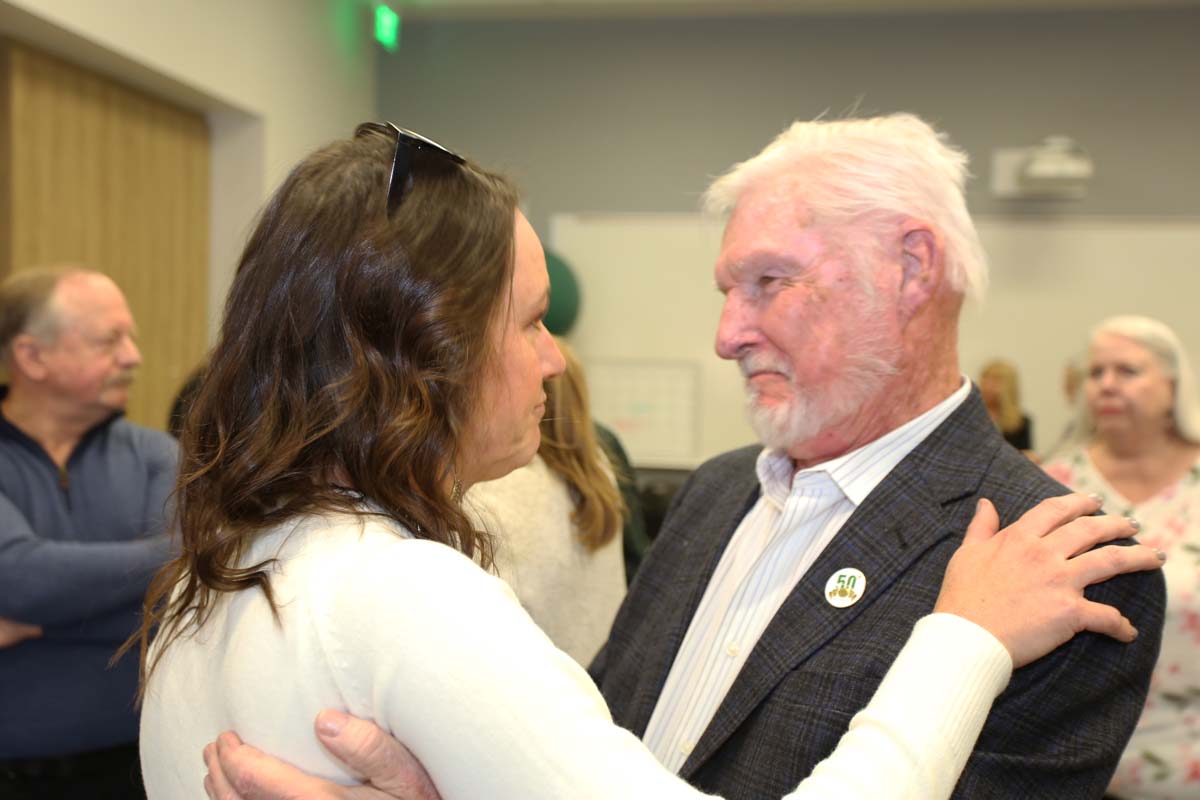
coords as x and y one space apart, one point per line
763 363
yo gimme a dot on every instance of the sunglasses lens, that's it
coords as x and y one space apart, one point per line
406 141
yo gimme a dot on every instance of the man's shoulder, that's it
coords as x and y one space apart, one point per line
1014 483
140 438
966 455
741 460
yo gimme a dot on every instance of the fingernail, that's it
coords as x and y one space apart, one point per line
331 722
1161 555
1133 523
1099 498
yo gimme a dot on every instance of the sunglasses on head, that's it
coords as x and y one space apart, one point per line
406 142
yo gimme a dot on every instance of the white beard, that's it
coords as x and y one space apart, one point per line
811 411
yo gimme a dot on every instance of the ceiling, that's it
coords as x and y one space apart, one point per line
501 9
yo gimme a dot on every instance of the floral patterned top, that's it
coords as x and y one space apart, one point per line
1163 757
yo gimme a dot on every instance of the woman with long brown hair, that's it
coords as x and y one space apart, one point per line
382 350
557 523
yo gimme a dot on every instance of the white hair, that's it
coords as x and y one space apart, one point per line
865 171
1165 346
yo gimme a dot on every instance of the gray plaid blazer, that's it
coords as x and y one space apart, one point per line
1056 732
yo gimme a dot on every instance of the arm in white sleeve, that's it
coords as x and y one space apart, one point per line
913 739
421 640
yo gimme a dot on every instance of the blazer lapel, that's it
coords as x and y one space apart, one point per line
892 528
705 532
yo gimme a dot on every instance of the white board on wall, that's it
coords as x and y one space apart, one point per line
653 406
647 295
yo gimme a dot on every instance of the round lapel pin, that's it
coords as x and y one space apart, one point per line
845 587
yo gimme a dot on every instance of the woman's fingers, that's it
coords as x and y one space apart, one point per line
1105 620
985 524
1025 583
1083 534
1099 565
1055 512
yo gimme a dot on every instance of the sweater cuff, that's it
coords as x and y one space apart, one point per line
943 683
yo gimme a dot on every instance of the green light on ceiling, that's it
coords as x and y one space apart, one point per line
387 28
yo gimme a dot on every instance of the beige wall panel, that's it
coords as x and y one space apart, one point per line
117 180
5 162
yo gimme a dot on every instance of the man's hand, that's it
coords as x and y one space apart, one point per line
13 633
1025 584
237 771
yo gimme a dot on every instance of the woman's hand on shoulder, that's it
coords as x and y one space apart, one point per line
1024 584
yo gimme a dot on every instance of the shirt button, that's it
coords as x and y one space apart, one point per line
732 648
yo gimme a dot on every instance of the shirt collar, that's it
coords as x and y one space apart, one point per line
858 472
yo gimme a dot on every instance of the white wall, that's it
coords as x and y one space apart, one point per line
276 78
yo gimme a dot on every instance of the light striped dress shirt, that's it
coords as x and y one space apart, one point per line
795 517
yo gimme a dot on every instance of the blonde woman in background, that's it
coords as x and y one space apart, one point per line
1141 422
558 521
1002 397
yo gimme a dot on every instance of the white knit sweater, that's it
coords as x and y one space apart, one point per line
572 592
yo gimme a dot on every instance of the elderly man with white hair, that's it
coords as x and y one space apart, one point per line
788 575
845 263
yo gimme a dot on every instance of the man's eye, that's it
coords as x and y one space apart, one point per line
775 281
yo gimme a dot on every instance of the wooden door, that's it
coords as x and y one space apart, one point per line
101 175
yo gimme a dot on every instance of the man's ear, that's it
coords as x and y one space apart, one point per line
27 357
921 258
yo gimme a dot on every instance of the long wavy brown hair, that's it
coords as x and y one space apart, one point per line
571 449
349 356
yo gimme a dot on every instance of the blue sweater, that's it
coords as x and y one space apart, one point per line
78 548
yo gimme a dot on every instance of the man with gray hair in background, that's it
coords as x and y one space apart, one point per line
788 575
83 496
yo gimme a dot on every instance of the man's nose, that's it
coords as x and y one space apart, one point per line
737 327
129 354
